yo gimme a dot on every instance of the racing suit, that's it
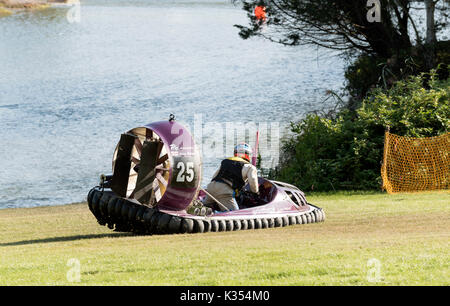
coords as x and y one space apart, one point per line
232 175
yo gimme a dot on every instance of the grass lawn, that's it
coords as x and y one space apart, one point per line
367 239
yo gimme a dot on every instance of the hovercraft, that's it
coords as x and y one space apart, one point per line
156 179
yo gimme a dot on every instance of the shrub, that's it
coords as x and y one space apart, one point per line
345 151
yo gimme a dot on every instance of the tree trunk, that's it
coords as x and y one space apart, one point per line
430 6
430 39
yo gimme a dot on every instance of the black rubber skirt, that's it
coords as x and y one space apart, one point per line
125 216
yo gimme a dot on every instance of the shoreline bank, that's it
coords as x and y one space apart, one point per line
8 7
309 195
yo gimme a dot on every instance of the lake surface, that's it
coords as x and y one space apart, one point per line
69 89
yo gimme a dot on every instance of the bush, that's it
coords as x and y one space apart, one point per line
361 76
369 71
345 151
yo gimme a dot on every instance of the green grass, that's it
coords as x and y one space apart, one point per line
407 235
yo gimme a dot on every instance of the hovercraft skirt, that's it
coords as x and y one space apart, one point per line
125 216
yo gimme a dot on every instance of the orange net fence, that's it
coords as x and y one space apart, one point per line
415 164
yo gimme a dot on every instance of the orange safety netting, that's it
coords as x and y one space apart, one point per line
415 164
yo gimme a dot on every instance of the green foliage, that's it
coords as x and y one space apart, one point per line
443 58
345 151
368 71
362 74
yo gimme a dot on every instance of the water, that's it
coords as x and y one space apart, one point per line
68 90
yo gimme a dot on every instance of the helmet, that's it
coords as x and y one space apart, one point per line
243 150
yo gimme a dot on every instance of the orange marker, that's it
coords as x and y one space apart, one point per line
260 12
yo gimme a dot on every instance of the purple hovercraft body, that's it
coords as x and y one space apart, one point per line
156 178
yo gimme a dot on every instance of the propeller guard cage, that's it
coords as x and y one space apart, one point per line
157 165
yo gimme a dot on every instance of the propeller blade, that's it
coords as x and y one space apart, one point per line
148 134
147 172
160 178
162 159
161 167
160 147
138 145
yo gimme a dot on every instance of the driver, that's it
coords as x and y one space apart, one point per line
232 175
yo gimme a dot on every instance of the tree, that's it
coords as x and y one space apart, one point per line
382 29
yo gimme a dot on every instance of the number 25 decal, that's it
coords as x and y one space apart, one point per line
186 173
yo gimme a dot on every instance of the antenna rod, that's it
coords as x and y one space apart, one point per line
255 150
